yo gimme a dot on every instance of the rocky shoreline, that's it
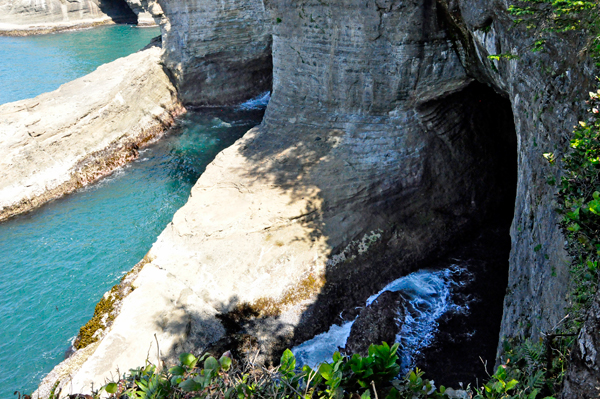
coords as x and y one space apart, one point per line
58 142
376 153
26 17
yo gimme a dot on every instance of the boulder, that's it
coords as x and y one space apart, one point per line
379 322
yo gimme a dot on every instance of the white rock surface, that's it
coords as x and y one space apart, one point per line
59 141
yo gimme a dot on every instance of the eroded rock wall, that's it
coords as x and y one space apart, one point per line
219 52
374 138
24 17
546 90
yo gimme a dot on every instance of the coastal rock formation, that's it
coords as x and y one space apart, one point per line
546 91
60 141
378 151
148 12
219 52
582 379
26 17
374 139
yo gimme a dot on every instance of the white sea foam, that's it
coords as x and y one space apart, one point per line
257 102
428 296
321 347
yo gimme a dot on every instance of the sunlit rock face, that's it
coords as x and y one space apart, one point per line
60 141
219 52
378 151
23 17
148 12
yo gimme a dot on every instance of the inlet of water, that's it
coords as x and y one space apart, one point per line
33 65
428 295
58 261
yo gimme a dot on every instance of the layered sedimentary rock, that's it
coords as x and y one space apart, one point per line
375 143
148 12
25 17
59 141
219 52
374 138
546 90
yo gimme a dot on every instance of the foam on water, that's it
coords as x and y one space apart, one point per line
258 102
428 296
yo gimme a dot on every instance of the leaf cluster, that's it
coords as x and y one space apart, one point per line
353 377
560 16
579 204
524 376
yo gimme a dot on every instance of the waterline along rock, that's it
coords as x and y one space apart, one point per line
219 52
26 17
60 141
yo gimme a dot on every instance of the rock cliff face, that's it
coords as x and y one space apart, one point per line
377 151
219 52
148 12
59 141
25 17
374 138
546 91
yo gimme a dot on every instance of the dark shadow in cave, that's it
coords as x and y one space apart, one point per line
483 247
119 11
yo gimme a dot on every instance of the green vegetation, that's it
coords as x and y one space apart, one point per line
560 16
355 377
579 203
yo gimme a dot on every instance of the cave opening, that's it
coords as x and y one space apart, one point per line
119 11
470 180
465 346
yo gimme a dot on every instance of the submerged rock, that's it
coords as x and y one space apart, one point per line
60 141
379 322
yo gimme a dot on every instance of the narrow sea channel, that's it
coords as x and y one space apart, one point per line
58 261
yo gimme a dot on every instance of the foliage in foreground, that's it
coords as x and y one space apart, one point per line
355 377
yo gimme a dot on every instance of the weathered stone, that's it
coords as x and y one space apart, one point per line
582 379
219 52
26 17
546 91
148 12
373 140
373 133
60 141
379 322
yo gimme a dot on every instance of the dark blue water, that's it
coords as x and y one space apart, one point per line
33 65
59 260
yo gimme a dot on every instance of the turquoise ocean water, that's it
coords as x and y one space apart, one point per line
33 65
57 261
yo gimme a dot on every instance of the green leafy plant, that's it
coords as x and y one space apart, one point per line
579 204
560 16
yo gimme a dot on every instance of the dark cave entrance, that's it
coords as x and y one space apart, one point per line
119 11
478 135
465 342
